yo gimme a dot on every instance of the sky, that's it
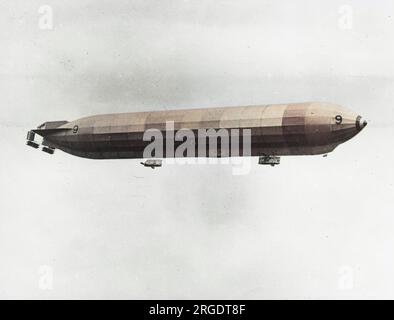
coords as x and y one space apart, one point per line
310 228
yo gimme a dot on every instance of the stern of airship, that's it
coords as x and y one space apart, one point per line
48 131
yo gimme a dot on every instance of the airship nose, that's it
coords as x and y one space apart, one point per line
360 123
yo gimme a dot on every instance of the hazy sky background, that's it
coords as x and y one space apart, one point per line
312 227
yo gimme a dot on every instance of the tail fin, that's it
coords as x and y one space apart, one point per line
50 127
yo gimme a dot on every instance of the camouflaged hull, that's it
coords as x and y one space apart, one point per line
283 129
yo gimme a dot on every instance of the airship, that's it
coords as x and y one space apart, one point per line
271 131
